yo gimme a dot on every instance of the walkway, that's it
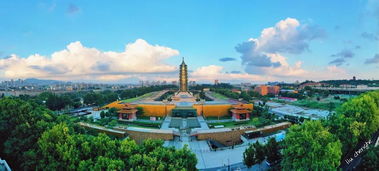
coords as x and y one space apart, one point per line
203 123
166 123
207 159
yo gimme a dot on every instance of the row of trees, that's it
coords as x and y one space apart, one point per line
112 112
134 92
203 86
247 96
32 138
351 82
165 95
78 99
63 149
299 96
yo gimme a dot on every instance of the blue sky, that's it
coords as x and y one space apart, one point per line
201 31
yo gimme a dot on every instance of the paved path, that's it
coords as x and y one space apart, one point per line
166 123
240 166
202 122
208 159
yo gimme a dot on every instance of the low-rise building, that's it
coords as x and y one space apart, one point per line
240 112
264 90
127 112
273 90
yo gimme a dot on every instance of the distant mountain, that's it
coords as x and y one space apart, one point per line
36 81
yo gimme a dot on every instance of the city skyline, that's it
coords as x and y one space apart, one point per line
250 41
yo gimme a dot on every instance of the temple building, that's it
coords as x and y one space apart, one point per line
240 112
182 104
183 77
127 112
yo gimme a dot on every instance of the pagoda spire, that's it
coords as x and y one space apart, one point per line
183 77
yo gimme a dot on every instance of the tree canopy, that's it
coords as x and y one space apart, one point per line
311 146
370 159
33 138
273 151
356 120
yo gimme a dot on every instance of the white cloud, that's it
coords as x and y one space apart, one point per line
213 72
284 69
77 62
262 55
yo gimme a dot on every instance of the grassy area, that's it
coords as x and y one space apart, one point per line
217 118
137 98
226 124
110 123
325 103
139 124
317 105
256 121
148 117
219 96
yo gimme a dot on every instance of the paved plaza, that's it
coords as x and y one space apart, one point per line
220 159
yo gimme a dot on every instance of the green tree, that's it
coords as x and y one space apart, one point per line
245 96
53 102
102 114
112 112
273 151
356 120
259 152
59 148
105 163
93 98
331 106
249 158
311 147
21 124
34 139
370 159
140 111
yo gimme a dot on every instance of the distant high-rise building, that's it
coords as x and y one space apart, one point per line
354 78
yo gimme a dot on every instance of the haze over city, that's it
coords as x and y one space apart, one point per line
248 41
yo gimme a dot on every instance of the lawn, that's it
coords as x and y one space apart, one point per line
325 103
110 123
219 96
317 105
137 98
255 121
139 124
217 118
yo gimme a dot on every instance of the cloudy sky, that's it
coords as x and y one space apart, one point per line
232 41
